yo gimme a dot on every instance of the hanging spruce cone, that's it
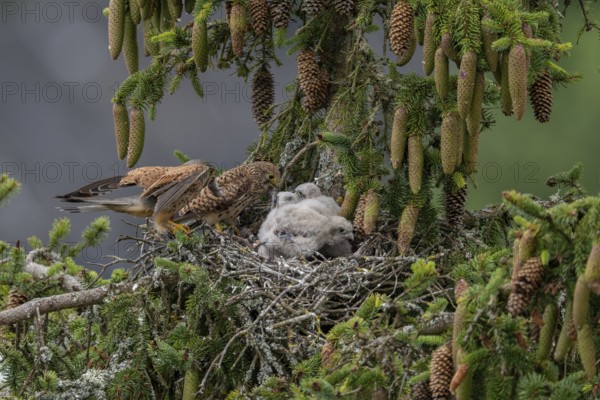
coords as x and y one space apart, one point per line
343 7
429 45
451 138
587 350
145 8
350 202
166 19
15 299
491 55
116 27
237 27
313 81
130 45
441 74
466 82
312 8
121 122
137 131
359 216
448 47
474 117
442 371
505 100
454 205
517 79
420 391
592 269
470 152
398 140
528 280
540 96
175 9
263 95
259 15
402 32
525 250
371 213
200 45
280 10
406 228
415 163
134 11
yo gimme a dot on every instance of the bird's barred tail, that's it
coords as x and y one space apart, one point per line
93 189
84 208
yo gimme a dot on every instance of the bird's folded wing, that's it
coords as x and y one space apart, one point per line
97 188
169 192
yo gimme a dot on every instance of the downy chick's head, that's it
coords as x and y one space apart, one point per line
307 191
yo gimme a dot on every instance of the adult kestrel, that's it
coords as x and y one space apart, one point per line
166 191
225 197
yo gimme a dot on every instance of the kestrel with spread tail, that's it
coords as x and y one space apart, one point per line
166 191
225 197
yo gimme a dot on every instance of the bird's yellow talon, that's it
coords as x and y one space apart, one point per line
179 227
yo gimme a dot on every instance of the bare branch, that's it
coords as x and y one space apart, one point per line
65 301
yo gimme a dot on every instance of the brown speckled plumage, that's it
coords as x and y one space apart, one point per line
230 193
166 191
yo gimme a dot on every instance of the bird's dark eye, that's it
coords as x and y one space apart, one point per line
341 230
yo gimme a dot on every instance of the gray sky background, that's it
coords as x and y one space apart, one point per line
56 129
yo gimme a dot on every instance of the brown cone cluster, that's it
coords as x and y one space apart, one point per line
527 281
280 11
454 205
313 81
442 371
15 299
263 95
421 391
402 32
540 96
343 7
312 7
259 16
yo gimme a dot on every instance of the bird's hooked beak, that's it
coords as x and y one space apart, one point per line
274 180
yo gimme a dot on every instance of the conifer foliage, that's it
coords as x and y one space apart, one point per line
193 318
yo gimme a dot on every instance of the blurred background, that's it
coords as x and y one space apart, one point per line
56 129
